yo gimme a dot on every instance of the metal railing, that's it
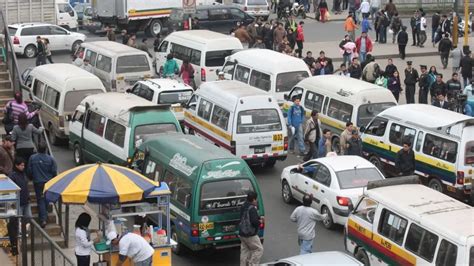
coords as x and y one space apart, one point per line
41 249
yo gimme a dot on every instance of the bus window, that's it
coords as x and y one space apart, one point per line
392 226
421 242
447 254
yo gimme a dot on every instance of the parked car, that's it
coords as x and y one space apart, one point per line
334 183
317 259
217 17
24 38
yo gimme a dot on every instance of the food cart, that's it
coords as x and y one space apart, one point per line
9 205
122 195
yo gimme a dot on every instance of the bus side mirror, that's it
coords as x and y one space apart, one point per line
350 206
285 96
362 129
191 105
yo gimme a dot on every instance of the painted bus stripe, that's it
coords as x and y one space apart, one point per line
208 126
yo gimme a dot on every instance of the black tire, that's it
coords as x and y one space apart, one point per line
376 161
361 256
53 139
270 163
75 46
30 51
329 222
178 249
155 28
77 154
286 194
436 185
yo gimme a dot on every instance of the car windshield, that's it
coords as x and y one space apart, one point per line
74 98
355 178
142 132
368 111
12 31
172 97
224 196
256 2
258 120
132 63
217 58
286 81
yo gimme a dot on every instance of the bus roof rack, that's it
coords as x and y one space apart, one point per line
403 180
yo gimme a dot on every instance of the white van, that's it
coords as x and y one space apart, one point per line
60 88
273 72
118 66
206 51
244 120
443 142
165 91
403 223
339 100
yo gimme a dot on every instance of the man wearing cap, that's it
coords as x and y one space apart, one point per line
133 246
220 76
424 84
354 144
6 155
411 78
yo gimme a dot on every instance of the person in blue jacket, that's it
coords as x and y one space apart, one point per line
296 116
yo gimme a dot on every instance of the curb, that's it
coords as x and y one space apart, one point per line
344 19
386 56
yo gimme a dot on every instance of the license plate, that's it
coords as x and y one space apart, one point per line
206 226
277 148
277 137
257 9
260 150
228 228
177 109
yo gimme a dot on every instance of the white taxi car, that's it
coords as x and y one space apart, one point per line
325 258
332 181
165 91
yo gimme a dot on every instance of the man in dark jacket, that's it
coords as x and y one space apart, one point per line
402 40
424 84
435 20
354 144
453 86
405 160
40 51
411 78
390 68
6 155
466 69
441 101
355 70
438 87
251 249
414 28
444 47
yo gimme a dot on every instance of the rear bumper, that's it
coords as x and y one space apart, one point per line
260 160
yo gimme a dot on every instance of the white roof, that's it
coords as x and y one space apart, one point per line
17 25
347 84
166 84
424 115
433 210
122 104
323 259
269 61
62 74
213 40
110 48
345 162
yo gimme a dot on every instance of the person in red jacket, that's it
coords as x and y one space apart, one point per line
364 45
299 39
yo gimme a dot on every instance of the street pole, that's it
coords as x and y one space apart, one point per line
466 25
455 29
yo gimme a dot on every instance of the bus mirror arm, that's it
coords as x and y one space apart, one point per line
350 206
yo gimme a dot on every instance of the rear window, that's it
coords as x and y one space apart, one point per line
357 178
132 63
258 120
172 97
256 2
470 153
74 98
224 196
286 81
141 132
217 58
12 31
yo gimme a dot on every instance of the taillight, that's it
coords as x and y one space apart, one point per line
61 121
470 160
203 74
460 179
285 144
195 230
232 147
186 24
114 85
16 40
343 201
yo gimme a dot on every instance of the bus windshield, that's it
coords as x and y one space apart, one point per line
258 120
172 97
141 132
368 111
224 195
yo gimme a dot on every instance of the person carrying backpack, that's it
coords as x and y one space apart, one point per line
251 249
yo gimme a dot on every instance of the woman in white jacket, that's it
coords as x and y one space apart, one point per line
83 240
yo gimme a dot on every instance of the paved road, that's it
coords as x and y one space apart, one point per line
280 233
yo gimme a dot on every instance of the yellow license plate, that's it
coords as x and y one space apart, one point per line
278 137
206 226
277 148
177 109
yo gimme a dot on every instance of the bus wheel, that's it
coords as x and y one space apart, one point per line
436 185
77 151
179 247
362 257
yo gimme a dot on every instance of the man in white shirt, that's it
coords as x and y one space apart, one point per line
422 29
364 9
86 66
133 246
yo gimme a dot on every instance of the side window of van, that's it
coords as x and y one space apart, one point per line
340 111
191 105
447 254
182 52
377 127
171 180
229 68
313 101
91 56
204 110
51 97
38 88
242 74
115 133
392 226
104 63
237 13
183 192
399 134
219 14
220 117
78 116
419 141
421 242
163 47
441 148
95 123
260 80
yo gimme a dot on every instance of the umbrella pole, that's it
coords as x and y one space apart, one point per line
66 237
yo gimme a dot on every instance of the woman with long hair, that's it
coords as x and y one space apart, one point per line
84 243
394 85
323 9
187 73
48 50
22 134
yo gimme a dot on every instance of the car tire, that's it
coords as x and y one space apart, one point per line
30 51
178 248
77 153
75 46
155 28
361 256
270 163
53 139
286 194
436 185
329 222
376 161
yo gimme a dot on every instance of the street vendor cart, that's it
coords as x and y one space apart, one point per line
9 205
